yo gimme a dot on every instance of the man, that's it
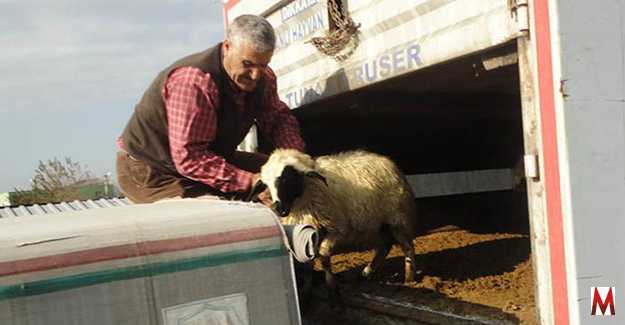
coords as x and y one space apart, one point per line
181 139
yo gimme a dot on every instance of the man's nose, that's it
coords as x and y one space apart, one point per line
255 74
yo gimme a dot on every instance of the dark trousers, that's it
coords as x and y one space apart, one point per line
141 183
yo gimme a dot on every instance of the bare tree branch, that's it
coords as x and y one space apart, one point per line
54 181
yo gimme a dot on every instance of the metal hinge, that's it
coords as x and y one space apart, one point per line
531 167
520 13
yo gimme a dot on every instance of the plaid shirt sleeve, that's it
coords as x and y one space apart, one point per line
275 122
190 97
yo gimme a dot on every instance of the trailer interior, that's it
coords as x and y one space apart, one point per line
456 129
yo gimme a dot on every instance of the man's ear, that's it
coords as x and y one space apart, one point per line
316 175
226 46
258 188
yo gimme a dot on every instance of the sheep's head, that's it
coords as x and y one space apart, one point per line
283 174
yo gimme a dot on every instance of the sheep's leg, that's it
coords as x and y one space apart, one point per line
304 279
405 242
379 255
333 289
325 253
380 251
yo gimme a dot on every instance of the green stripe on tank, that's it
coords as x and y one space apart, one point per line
137 271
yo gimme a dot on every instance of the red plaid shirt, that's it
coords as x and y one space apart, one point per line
191 97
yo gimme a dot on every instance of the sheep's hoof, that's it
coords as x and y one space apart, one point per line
367 272
415 276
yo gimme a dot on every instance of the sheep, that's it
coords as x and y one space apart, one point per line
355 199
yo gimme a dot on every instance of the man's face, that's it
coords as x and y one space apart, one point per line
244 65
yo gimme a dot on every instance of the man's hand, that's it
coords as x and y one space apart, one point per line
265 196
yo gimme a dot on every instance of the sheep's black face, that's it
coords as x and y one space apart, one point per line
290 186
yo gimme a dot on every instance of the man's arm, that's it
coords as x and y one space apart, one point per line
276 123
190 97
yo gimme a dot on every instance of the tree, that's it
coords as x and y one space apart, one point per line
25 197
54 181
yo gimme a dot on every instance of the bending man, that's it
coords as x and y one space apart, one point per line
181 139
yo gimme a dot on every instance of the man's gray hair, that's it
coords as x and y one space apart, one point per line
255 30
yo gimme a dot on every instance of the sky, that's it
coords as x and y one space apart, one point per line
71 72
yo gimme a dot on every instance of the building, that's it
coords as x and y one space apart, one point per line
4 199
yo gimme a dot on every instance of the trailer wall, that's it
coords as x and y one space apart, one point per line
588 51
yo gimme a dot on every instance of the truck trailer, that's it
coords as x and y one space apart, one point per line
485 100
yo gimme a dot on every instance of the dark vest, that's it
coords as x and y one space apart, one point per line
146 137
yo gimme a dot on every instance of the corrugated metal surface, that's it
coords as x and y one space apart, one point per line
52 208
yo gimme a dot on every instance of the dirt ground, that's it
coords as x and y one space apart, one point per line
475 258
481 269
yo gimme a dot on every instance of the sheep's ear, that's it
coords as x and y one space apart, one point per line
315 174
258 188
